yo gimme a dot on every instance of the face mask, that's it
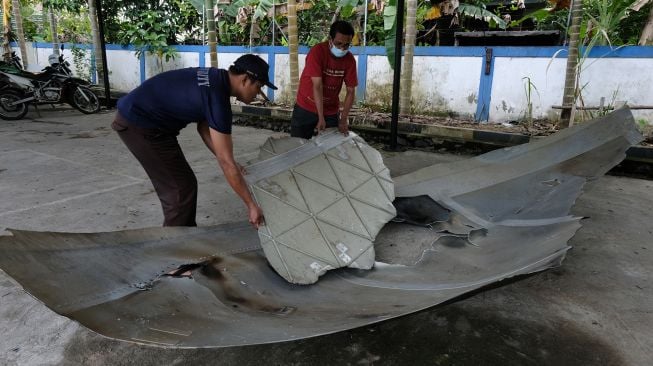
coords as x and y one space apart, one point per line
338 52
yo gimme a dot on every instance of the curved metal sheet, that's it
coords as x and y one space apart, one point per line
116 284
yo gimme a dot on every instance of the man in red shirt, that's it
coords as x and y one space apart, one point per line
328 65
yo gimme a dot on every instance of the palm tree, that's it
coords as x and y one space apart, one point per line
206 7
647 33
210 24
571 73
19 31
97 45
53 31
409 52
293 41
6 18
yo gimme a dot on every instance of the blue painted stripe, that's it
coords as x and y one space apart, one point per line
561 52
112 47
190 48
547 52
93 68
626 52
202 59
142 65
449 51
66 45
369 50
485 91
272 63
472 51
362 77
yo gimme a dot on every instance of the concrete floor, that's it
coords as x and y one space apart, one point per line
64 171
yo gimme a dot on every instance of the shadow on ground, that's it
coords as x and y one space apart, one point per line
451 335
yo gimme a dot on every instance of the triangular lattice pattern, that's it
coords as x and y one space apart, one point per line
325 211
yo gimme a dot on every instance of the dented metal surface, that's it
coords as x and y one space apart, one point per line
482 220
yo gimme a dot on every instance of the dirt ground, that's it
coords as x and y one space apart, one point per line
537 127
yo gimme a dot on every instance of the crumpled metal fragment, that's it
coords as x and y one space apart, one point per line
481 220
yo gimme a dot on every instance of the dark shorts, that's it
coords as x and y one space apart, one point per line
165 164
303 122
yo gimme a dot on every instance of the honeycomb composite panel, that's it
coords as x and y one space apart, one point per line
324 202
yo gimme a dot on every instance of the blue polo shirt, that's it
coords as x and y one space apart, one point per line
171 100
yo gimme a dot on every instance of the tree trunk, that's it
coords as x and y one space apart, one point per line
53 31
409 52
6 19
97 45
647 32
210 25
251 30
19 31
571 73
336 14
293 40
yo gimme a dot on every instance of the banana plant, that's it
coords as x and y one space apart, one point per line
480 12
390 28
261 8
345 9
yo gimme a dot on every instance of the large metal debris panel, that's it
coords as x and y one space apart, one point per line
324 201
472 234
538 180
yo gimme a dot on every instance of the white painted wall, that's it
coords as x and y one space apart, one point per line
154 65
446 83
509 86
124 69
224 59
615 79
440 84
282 77
623 79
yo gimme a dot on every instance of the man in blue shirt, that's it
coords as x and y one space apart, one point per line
150 117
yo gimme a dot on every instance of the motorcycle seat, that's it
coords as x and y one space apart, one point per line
40 76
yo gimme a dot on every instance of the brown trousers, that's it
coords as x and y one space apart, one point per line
160 155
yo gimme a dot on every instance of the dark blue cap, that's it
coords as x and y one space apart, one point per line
256 67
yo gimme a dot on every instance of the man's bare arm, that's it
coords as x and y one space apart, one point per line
343 124
318 98
223 147
203 130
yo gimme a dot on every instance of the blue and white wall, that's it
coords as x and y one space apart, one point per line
445 79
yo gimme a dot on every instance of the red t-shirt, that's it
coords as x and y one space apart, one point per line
333 70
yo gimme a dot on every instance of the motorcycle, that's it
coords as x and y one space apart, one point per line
55 84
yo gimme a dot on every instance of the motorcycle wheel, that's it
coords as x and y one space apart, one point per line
85 100
8 111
